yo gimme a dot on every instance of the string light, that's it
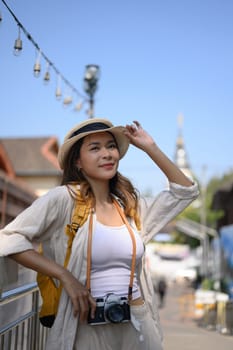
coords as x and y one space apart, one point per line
47 74
37 65
78 106
18 44
68 99
58 92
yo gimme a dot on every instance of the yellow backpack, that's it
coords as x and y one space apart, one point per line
50 292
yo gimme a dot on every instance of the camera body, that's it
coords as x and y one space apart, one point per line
110 309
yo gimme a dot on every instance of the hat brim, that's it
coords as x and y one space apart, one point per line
117 131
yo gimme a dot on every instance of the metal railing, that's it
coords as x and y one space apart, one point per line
23 331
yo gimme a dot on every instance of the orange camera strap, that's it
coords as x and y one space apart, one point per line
89 248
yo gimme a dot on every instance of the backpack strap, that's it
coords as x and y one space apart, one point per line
79 217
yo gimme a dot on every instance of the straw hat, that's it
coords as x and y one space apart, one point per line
92 126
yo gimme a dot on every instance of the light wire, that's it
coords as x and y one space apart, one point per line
51 64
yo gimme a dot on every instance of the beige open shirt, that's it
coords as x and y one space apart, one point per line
45 221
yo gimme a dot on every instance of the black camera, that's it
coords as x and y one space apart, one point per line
110 309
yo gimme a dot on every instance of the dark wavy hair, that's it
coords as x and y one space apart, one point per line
119 185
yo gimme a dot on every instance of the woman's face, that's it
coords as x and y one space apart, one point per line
99 156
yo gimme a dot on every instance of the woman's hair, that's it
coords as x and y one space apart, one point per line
119 185
71 172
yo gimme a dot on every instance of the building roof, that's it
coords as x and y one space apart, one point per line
30 156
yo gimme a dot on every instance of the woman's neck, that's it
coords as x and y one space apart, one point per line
101 193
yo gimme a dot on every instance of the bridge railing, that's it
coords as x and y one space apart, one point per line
20 328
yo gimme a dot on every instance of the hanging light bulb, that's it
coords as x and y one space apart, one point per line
47 74
58 92
0 16
18 44
37 65
46 77
37 69
67 99
78 106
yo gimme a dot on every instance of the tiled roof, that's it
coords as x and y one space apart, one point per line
17 188
32 156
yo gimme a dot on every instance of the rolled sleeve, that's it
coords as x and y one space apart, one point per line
37 223
13 243
182 192
166 206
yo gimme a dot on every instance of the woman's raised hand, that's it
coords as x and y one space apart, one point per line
138 136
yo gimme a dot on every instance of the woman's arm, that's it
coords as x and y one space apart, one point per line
44 218
141 139
79 295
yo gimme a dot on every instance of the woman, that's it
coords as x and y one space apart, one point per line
119 223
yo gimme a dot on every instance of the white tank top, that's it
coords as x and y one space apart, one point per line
111 260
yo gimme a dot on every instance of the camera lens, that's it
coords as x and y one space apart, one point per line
115 313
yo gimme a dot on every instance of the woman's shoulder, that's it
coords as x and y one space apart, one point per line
58 190
58 193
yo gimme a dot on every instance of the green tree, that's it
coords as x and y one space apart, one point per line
203 202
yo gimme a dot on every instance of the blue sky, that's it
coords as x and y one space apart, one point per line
158 59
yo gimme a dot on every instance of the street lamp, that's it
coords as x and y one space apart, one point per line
91 78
